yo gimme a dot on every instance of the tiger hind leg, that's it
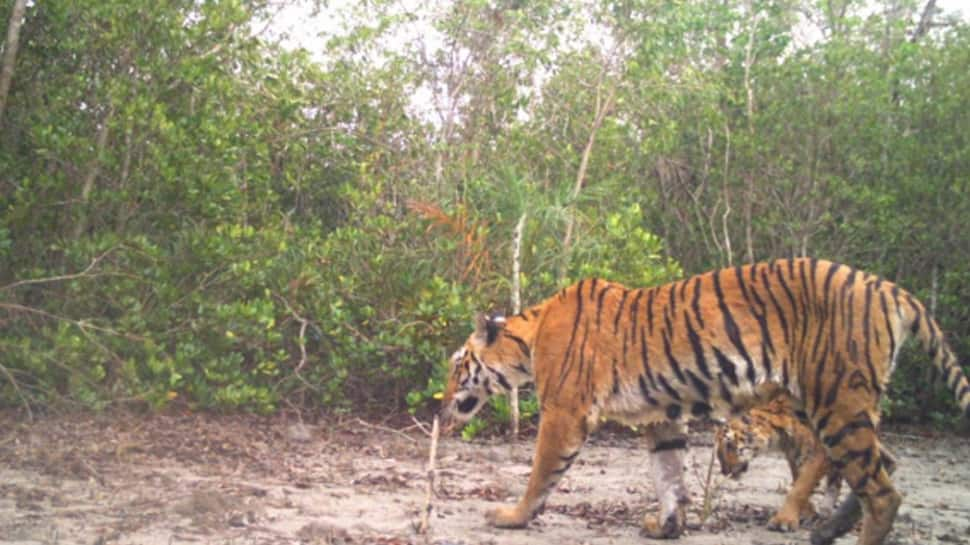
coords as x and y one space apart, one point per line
561 436
855 450
668 446
849 511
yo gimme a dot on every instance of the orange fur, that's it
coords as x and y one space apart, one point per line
774 426
714 344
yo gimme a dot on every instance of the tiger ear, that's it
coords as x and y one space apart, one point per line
487 327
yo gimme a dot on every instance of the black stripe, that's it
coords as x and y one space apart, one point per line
739 273
672 360
616 378
700 408
695 343
619 312
788 291
599 304
696 303
678 443
963 391
564 368
850 325
702 388
524 348
645 359
817 387
634 308
785 378
833 268
646 392
862 422
582 353
889 326
803 298
733 333
834 387
672 299
778 310
725 391
766 362
650 297
822 422
867 325
666 386
569 457
727 368
501 379
919 314
814 284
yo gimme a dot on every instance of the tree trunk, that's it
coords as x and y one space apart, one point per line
516 308
10 51
93 170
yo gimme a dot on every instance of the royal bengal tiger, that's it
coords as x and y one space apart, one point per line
713 344
775 426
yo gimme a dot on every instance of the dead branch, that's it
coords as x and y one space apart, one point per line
16 387
86 273
83 325
432 455
387 429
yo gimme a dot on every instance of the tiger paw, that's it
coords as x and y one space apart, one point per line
671 528
506 517
782 522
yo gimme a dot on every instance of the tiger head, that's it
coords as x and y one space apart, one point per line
490 362
736 443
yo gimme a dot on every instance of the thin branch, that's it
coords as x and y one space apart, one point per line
16 387
387 429
432 455
83 274
80 324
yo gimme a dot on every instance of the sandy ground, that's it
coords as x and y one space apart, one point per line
247 480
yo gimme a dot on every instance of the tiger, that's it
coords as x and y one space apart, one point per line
775 426
711 345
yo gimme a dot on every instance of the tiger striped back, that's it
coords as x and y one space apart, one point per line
716 343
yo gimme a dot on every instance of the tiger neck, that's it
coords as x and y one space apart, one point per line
521 330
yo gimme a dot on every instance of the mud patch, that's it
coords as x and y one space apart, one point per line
163 480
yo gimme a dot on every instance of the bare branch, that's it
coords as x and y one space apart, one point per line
86 273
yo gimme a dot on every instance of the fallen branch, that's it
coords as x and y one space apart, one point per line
432 454
387 429
16 387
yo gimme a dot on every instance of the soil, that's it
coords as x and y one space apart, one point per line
250 480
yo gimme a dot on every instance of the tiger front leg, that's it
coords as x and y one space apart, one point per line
561 435
668 446
798 505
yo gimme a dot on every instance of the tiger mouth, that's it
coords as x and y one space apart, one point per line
738 470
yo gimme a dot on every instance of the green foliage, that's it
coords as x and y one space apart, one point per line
193 214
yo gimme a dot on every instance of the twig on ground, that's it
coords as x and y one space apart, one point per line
385 428
709 489
420 426
432 455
